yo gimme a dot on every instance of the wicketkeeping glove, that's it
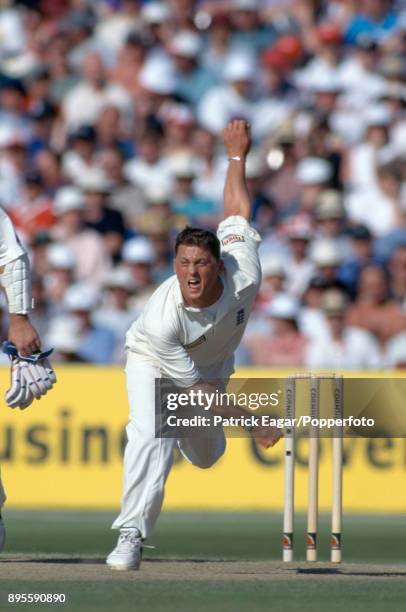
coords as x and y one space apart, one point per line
32 376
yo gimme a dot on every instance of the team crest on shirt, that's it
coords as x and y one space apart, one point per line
240 316
195 343
232 238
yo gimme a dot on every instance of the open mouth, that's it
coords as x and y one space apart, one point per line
194 284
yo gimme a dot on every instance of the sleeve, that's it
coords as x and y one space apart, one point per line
10 247
175 362
239 247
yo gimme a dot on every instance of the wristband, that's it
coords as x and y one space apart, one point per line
234 158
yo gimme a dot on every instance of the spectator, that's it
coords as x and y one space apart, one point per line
362 255
273 282
286 345
212 170
84 102
345 347
125 197
184 200
237 99
116 313
97 215
327 257
110 132
13 165
34 213
385 199
192 80
397 274
375 19
138 257
88 248
64 336
373 309
48 164
329 217
43 115
156 227
80 157
313 175
113 31
249 30
130 60
149 168
218 44
312 321
263 210
63 78
179 124
60 275
299 267
96 342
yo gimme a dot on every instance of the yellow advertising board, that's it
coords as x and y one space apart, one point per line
66 452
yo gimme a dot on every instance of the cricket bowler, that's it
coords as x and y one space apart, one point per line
188 332
31 373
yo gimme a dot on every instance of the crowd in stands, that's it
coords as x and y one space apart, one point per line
111 114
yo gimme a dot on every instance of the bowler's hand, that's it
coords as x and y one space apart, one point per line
237 138
266 436
23 335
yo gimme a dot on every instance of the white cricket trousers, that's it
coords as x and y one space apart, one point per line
147 459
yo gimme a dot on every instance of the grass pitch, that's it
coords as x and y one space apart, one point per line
203 562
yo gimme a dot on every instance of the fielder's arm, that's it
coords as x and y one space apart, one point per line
237 141
15 278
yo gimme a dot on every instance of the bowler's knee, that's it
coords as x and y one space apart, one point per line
205 461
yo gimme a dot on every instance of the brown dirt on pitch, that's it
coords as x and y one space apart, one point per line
58 567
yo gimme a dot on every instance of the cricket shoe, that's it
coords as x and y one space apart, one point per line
128 552
2 534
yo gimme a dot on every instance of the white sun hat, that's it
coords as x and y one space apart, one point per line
377 115
60 256
120 278
272 265
82 297
155 12
156 194
138 250
326 252
186 44
183 165
64 334
239 67
313 171
157 76
94 180
67 199
283 306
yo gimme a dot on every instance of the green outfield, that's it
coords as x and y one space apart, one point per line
203 562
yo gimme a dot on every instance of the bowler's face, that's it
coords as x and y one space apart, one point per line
198 275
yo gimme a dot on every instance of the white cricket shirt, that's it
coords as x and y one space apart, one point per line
10 247
189 344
